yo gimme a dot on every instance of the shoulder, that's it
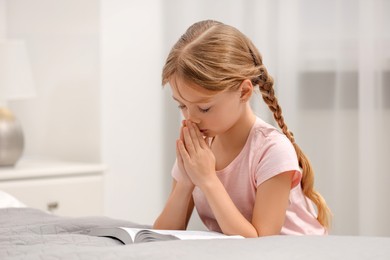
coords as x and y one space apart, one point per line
272 152
265 136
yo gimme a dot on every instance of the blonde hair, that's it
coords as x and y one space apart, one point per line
219 57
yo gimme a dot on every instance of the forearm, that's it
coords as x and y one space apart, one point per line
229 218
177 210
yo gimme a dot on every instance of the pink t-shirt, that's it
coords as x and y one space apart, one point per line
267 153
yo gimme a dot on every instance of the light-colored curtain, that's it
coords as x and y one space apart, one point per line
331 64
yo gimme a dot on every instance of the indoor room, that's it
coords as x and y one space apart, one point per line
94 129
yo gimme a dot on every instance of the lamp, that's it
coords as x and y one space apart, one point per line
16 82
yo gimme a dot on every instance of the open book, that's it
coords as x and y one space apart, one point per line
136 235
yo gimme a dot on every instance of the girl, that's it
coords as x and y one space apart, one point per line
243 176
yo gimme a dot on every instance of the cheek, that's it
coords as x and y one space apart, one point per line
219 121
230 115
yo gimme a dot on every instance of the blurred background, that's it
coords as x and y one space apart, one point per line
97 67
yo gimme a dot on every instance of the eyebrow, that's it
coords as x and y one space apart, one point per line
200 101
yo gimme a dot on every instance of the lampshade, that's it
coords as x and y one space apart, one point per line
16 81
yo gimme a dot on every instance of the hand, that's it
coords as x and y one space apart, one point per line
197 158
185 179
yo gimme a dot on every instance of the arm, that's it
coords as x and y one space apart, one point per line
269 210
271 204
178 209
271 198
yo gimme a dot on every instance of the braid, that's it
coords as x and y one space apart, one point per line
270 99
265 83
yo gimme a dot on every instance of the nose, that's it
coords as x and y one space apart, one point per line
192 116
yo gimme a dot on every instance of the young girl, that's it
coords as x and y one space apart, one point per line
243 176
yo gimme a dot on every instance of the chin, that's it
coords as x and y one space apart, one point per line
208 134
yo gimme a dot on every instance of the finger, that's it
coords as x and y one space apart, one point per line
183 152
208 141
181 133
178 155
201 139
194 136
189 145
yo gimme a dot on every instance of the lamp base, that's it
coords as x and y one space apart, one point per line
11 139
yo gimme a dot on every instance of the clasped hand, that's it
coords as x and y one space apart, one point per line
195 159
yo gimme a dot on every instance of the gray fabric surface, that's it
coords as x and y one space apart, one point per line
32 234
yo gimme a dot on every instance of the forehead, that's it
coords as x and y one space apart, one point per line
186 91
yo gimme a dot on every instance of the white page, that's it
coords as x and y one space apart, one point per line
184 234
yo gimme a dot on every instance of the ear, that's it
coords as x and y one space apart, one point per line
246 89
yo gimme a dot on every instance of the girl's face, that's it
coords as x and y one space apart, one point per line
213 112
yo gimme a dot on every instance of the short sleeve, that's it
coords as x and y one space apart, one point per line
277 155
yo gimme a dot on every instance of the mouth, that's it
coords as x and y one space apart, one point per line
204 132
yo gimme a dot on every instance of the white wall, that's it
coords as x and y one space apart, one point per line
3 19
132 108
97 67
62 38
99 94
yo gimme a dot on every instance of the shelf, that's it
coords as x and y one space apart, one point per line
32 168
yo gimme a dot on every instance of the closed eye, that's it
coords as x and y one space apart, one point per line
204 110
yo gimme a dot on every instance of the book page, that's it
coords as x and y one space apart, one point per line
132 232
194 234
125 236
180 234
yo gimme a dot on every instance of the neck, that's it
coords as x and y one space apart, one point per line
236 136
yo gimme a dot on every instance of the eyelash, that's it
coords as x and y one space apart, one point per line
204 110
200 109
